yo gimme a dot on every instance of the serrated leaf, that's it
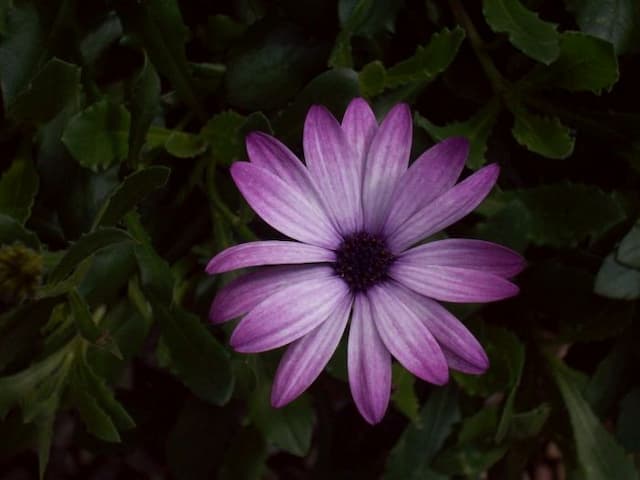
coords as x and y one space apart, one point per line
51 89
563 215
585 63
98 136
159 26
600 457
616 21
177 143
129 193
372 79
534 37
86 246
144 105
222 132
288 428
410 457
197 358
11 231
476 129
18 187
428 61
545 136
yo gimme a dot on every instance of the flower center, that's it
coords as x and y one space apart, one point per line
362 260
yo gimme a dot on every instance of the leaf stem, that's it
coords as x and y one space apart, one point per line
498 82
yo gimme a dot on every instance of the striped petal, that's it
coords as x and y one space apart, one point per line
369 363
448 208
335 168
406 336
269 252
469 254
288 315
359 125
431 175
387 160
246 292
305 359
452 284
283 206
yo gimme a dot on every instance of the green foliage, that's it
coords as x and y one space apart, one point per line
120 122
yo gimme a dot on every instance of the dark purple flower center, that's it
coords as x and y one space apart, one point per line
362 260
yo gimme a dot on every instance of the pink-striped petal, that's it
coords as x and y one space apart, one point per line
359 125
406 336
247 291
305 359
452 284
288 314
386 162
461 349
448 208
269 252
431 175
283 206
369 363
469 254
335 169
270 154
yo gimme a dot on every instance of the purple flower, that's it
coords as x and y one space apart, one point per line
356 210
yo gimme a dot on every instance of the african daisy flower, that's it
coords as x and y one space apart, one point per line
356 210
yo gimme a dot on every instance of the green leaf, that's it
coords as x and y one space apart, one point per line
404 396
51 89
18 187
86 246
545 136
509 226
600 457
428 61
98 136
585 64
528 424
223 132
612 375
616 21
617 280
563 215
159 26
410 457
267 70
11 230
198 359
534 37
129 193
144 105
177 143
372 79
20 49
628 251
288 428
628 427
245 459
476 129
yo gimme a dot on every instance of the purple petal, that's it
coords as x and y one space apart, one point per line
335 168
461 349
247 291
406 336
431 175
451 284
359 125
386 162
304 360
448 208
288 314
283 206
270 252
369 363
469 254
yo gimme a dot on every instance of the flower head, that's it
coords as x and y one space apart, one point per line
355 210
